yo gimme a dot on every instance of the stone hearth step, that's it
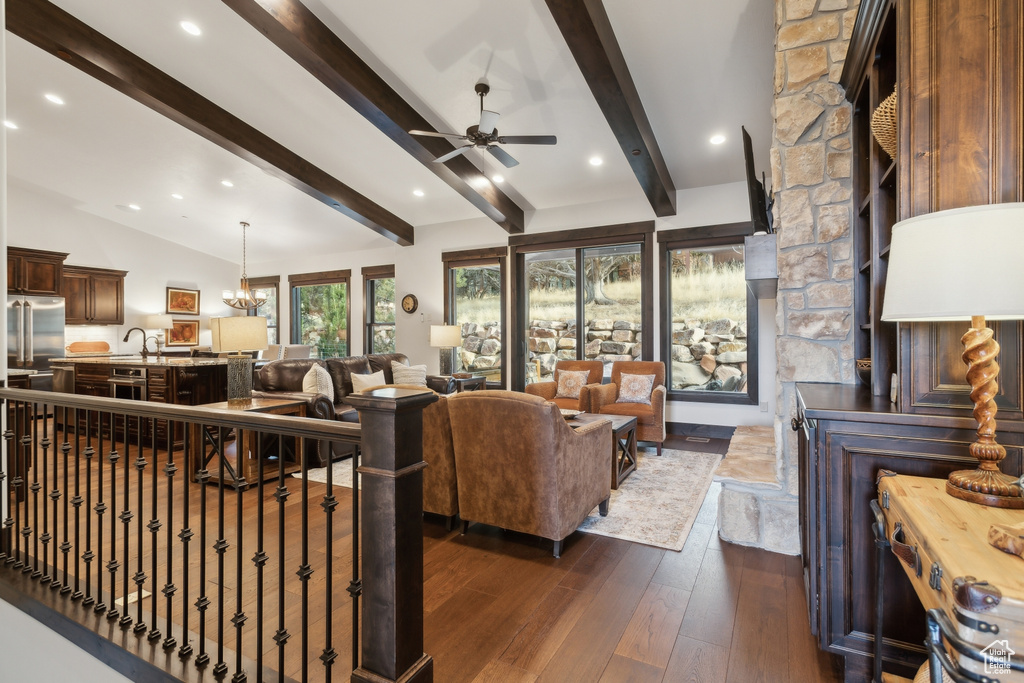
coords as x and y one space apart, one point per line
750 461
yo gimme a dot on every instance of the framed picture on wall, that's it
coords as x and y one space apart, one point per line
182 301
183 333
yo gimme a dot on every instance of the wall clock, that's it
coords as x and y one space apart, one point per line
409 303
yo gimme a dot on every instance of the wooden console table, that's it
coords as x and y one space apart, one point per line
942 543
239 462
623 442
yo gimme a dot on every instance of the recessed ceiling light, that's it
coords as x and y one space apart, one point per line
190 28
596 161
717 139
177 196
418 193
227 183
54 98
498 178
135 207
11 124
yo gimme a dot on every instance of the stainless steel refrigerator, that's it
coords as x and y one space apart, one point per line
35 335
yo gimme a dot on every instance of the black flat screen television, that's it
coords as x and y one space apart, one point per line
759 205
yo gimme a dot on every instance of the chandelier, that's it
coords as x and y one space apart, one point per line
244 298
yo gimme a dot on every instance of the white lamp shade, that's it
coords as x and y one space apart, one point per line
161 321
239 333
444 336
955 264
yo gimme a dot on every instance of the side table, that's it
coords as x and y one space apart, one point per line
942 544
623 442
446 384
240 464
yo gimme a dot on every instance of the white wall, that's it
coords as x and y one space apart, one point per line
418 270
46 221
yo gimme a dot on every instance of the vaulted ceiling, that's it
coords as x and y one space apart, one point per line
304 106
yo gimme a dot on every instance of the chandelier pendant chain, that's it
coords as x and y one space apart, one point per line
244 298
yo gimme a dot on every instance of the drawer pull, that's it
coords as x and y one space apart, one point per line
907 554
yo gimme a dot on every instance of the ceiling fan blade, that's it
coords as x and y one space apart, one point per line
452 154
502 156
528 139
433 134
488 119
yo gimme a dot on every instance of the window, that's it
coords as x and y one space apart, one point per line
268 286
320 311
379 309
602 276
474 297
709 328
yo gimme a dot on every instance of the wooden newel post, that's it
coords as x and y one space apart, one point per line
392 520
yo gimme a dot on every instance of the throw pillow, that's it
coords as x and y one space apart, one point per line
318 381
571 383
409 374
635 388
360 382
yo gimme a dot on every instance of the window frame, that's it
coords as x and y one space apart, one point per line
269 282
479 257
324 277
693 238
370 275
578 239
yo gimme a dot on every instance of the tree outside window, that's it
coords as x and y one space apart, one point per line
379 309
320 312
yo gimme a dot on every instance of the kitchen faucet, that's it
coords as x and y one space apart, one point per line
145 351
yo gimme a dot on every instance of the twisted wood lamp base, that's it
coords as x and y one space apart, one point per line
985 485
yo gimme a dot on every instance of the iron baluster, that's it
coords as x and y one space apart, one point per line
329 504
45 577
100 509
112 564
169 588
88 555
154 532
126 520
305 572
5 500
259 559
220 669
185 650
202 602
65 546
355 588
281 494
33 529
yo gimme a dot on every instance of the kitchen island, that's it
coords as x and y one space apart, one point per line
184 381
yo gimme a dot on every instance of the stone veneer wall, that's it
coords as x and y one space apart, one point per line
811 178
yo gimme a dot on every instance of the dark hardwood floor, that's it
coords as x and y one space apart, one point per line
499 607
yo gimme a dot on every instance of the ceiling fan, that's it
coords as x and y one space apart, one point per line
485 135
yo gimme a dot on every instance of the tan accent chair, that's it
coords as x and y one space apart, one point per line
547 390
296 351
519 466
650 418
440 493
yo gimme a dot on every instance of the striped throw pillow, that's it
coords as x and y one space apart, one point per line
409 374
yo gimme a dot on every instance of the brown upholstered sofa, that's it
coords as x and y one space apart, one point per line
283 379
519 466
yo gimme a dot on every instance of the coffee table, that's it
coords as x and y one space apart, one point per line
240 464
623 442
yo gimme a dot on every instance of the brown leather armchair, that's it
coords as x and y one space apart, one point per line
650 418
519 466
547 390
440 493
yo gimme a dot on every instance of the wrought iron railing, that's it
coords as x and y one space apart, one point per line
243 576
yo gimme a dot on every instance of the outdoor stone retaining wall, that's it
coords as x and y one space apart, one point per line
606 340
709 356
813 213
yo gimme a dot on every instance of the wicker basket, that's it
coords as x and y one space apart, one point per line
883 125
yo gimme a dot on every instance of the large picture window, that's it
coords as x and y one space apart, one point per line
475 300
379 309
600 276
271 310
320 311
709 316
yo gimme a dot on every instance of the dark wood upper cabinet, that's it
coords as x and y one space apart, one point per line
35 272
93 296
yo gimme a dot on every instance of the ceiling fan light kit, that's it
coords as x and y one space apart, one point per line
485 136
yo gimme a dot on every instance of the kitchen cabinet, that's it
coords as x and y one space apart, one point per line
93 296
845 437
35 272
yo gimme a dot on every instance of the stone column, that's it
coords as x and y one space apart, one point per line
813 214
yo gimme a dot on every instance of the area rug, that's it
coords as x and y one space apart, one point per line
657 503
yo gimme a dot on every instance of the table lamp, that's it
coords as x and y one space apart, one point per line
161 323
236 335
965 264
446 338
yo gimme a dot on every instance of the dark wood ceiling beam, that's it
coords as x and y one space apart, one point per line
59 33
588 32
302 36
